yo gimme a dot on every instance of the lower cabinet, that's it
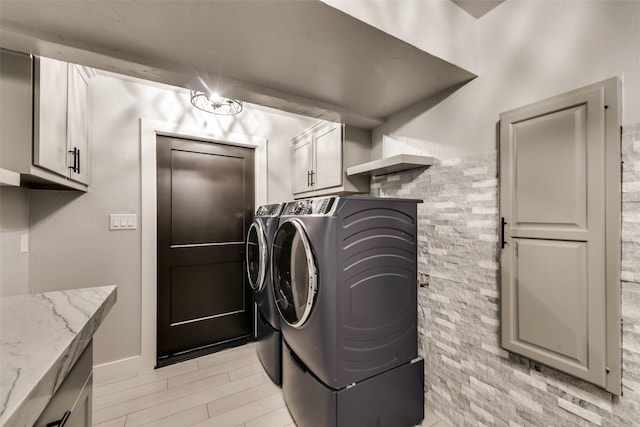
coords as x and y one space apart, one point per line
70 406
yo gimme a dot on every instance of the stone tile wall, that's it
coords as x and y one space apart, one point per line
470 380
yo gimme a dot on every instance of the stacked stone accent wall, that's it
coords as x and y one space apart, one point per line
470 379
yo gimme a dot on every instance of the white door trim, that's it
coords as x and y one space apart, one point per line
149 129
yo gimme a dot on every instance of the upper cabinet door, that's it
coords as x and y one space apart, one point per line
328 157
555 165
78 125
50 115
302 164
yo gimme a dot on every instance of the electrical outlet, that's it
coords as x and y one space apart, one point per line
123 222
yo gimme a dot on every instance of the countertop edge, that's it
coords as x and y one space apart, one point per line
26 412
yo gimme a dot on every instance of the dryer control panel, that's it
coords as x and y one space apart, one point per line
319 206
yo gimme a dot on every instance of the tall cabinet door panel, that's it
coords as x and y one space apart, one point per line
302 164
553 176
50 115
328 155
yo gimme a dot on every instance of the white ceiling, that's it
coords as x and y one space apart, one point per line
299 56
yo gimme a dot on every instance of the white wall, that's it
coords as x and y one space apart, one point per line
14 226
71 245
528 50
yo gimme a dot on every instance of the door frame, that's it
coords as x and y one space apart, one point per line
149 130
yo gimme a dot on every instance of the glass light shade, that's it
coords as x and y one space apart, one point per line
215 104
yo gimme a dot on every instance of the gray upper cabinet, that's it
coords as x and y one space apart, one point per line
560 219
321 156
44 121
61 135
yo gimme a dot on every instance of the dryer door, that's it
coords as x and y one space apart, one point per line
294 273
257 256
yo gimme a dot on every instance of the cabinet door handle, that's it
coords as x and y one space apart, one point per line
75 167
61 422
75 159
312 180
502 239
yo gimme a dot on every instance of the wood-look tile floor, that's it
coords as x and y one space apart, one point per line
228 388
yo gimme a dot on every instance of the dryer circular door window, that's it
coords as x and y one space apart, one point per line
294 273
257 256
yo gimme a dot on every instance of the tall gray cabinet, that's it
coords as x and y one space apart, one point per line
560 232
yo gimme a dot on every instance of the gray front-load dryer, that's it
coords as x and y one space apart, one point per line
344 278
258 251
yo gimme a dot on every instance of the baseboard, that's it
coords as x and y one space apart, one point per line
202 351
118 369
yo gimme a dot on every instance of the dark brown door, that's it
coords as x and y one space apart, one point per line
205 206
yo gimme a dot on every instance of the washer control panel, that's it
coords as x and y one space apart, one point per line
270 210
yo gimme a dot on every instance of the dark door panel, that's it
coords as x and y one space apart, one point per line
218 218
195 291
205 207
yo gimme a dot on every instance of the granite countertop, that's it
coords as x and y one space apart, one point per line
41 337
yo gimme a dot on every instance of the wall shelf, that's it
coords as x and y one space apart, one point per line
393 164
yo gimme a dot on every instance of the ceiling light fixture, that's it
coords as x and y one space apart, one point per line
215 104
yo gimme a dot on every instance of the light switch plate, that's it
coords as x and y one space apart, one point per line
123 222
